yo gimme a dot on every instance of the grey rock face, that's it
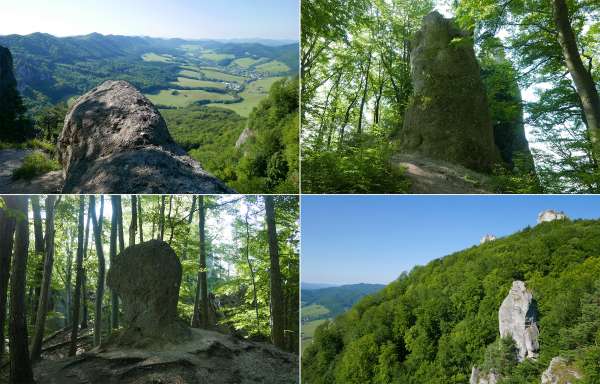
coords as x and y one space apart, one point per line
518 319
146 277
559 372
487 238
551 215
244 136
448 117
7 77
478 377
115 141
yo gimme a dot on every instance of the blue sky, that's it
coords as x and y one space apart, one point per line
222 19
372 239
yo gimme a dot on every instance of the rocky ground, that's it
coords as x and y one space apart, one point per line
433 176
208 357
12 159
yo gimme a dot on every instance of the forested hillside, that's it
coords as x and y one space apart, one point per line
338 299
378 104
434 324
239 271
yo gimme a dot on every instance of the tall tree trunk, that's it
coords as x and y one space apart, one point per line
254 297
68 274
97 224
584 83
276 291
121 231
189 223
114 229
84 294
161 219
42 307
170 219
364 97
20 364
78 276
200 318
133 225
7 234
38 236
140 225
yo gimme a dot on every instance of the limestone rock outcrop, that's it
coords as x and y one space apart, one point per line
487 238
14 126
114 140
448 117
146 277
478 377
560 372
246 134
551 215
518 319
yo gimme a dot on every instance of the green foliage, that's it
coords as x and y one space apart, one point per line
440 318
269 163
363 168
501 356
35 164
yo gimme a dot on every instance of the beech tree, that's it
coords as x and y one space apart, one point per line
20 363
78 276
7 232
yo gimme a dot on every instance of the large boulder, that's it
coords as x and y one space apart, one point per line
146 277
518 319
560 372
114 140
448 116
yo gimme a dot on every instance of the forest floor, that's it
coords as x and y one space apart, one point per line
208 357
433 176
11 159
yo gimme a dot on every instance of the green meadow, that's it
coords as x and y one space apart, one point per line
218 75
245 62
154 57
252 95
183 97
272 66
216 56
187 82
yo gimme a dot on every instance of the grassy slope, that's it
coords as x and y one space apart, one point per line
252 95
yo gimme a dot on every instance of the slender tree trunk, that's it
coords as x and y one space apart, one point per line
78 276
114 228
140 225
42 307
7 233
161 219
84 308
38 235
121 230
277 314
321 131
255 299
584 83
201 302
170 219
189 223
364 97
97 224
133 225
68 274
20 364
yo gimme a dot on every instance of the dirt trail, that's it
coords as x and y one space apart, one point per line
429 176
11 159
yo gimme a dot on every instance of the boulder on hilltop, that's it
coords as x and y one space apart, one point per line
114 140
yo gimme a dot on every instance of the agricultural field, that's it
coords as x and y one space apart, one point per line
245 62
314 311
252 95
272 66
308 331
216 56
218 75
194 83
183 97
155 57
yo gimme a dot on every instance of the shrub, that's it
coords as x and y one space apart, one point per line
35 164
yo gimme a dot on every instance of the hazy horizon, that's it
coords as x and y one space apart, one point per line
373 239
185 19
